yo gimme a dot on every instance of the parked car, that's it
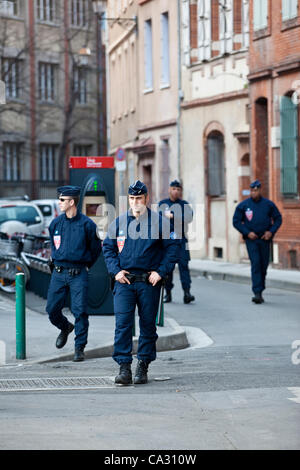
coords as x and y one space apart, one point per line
49 208
21 216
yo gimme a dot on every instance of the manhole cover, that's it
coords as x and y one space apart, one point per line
55 383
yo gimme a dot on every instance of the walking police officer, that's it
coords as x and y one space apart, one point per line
257 219
138 257
74 248
180 214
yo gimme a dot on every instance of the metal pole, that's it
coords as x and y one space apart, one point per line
20 317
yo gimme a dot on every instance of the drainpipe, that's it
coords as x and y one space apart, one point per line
179 98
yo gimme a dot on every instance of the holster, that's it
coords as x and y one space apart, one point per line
50 264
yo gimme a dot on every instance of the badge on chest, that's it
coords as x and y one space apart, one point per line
57 241
249 214
120 242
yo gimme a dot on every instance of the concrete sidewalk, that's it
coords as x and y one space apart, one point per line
278 278
41 335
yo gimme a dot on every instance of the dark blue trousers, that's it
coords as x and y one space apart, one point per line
259 255
183 258
126 298
77 285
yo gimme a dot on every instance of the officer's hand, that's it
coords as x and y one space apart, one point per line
252 236
154 278
121 277
267 235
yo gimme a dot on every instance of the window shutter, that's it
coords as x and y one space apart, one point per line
204 29
186 32
260 14
289 146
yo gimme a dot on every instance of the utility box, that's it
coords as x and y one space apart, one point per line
96 177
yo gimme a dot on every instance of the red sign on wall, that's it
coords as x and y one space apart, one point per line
91 162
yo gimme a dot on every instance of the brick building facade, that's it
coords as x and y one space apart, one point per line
274 75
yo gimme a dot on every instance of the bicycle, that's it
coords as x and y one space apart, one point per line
17 254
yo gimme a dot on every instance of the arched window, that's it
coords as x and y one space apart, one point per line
215 164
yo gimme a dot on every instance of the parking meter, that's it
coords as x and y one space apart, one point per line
96 177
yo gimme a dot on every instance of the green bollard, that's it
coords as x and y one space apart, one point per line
20 317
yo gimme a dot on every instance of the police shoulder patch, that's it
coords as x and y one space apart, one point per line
173 236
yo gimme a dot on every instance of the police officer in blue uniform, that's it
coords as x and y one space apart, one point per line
138 256
257 219
74 248
180 214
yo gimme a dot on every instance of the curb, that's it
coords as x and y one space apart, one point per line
174 341
245 279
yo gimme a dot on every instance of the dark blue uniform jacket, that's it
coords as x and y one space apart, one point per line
139 245
182 212
257 216
74 242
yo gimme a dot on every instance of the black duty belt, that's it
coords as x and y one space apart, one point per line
71 271
142 277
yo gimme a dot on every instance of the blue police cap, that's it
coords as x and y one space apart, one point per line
137 188
175 184
69 190
255 184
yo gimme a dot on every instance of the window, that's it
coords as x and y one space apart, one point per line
204 29
82 150
48 154
47 81
216 167
260 14
186 32
45 10
11 76
11 161
79 12
9 8
226 26
81 85
148 55
245 23
289 146
165 56
289 9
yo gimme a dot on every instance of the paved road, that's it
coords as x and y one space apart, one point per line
236 387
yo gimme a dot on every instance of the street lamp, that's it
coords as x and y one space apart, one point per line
100 6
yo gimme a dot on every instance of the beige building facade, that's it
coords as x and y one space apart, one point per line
215 161
143 116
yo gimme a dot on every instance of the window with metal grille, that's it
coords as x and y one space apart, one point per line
289 9
289 146
79 12
47 79
48 157
216 166
11 161
45 10
82 150
10 72
81 84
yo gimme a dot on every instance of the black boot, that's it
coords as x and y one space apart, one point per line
79 355
63 336
141 373
125 375
257 299
188 297
167 297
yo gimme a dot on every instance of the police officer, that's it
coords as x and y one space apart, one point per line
257 219
138 257
74 248
180 214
